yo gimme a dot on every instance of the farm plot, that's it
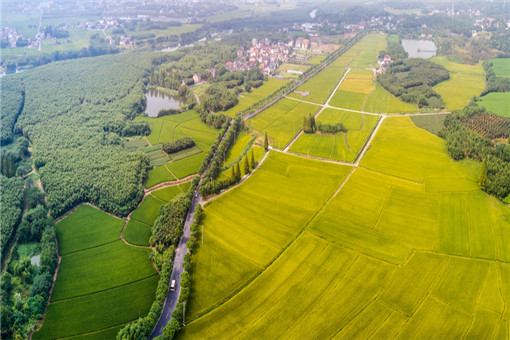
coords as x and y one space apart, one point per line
354 90
240 239
320 86
501 67
97 287
403 150
242 140
159 175
379 257
369 48
432 124
364 53
75 232
466 81
257 94
497 102
156 155
138 229
187 124
293 71
283 120
383 102
338 146
186 166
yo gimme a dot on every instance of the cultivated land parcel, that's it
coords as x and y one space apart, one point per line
102 282
408 247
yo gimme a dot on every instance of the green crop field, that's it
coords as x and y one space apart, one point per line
257 94
338 146
166 194
408 248
241 142
187 124
466 81
186 166
137 233
356 82
98 311
316 59
497 102
381 101
501 67
138 229
89 271
432 124
156 155
147 212
158 175
239 239
282 70
100 284
283 120
320 86
75 232
369 48
364 53
348 100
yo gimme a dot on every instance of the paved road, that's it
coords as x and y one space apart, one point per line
173 296
182 249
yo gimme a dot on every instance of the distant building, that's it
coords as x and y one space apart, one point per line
197 78
214 72
305 43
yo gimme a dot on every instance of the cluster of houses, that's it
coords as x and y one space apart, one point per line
383 63
264 54
10 35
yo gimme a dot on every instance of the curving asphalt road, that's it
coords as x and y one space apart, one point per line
173 296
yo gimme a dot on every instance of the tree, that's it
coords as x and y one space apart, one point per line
252 160
233 175
170 329
246 166
482 180
266 142
238 172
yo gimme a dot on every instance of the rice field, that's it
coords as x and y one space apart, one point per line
501 67
338 146
364 53
166 129
138 229
248 99
408 248
102 282
320 86
75 232
497 103
380 101
240 144
282 121
466 81
240 239
159 175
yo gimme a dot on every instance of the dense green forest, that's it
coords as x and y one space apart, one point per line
11 201
74 115
26 285
12 98
412 79
462 143
494 83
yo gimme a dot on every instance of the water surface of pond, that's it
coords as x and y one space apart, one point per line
419 48
157 100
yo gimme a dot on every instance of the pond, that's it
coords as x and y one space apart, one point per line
157 100
419 48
